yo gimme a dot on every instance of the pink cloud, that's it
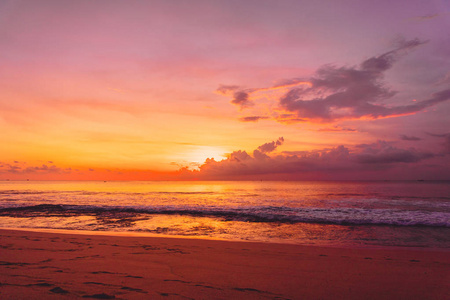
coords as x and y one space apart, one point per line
253 118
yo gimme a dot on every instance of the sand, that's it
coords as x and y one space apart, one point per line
43 265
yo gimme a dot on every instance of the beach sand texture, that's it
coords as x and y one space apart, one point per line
43 265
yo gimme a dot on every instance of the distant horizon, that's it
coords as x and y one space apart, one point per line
230 180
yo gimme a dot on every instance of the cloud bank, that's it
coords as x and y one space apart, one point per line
379 160
21 168
378 156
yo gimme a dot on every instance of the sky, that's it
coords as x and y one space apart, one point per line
224 90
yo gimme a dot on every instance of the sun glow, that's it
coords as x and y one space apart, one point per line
198 155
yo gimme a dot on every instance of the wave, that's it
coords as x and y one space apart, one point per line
33 192
337 216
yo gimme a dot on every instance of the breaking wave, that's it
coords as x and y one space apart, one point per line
337 216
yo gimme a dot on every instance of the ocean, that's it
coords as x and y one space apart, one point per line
326 213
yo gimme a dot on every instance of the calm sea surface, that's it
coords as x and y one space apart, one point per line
407 214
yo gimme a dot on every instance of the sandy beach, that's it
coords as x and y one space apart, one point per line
43 265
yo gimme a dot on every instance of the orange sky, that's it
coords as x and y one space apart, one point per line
110 90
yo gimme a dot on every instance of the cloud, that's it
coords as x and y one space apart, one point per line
225 89
353 92
428 17
443 135
23 169
424 18
446 143
240 96
337 129
341 93
270 147
253 118
44 168
8 168
381 155
383 152
409 138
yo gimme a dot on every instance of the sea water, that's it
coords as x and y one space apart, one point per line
338 213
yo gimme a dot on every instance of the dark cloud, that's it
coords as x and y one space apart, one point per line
409 138
240 96
262 150
443 135
270 147
384 153
252 118
341 93
353 92
385 61
377 156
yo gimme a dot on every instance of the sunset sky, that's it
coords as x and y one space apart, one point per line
156 90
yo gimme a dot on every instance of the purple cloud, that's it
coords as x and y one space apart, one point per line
383 152
341 93
353 92
409 138
240 96
381 155
446 143
270 147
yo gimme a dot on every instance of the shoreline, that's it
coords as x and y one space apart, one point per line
38 265
207 238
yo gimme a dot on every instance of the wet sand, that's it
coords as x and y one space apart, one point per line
42 265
